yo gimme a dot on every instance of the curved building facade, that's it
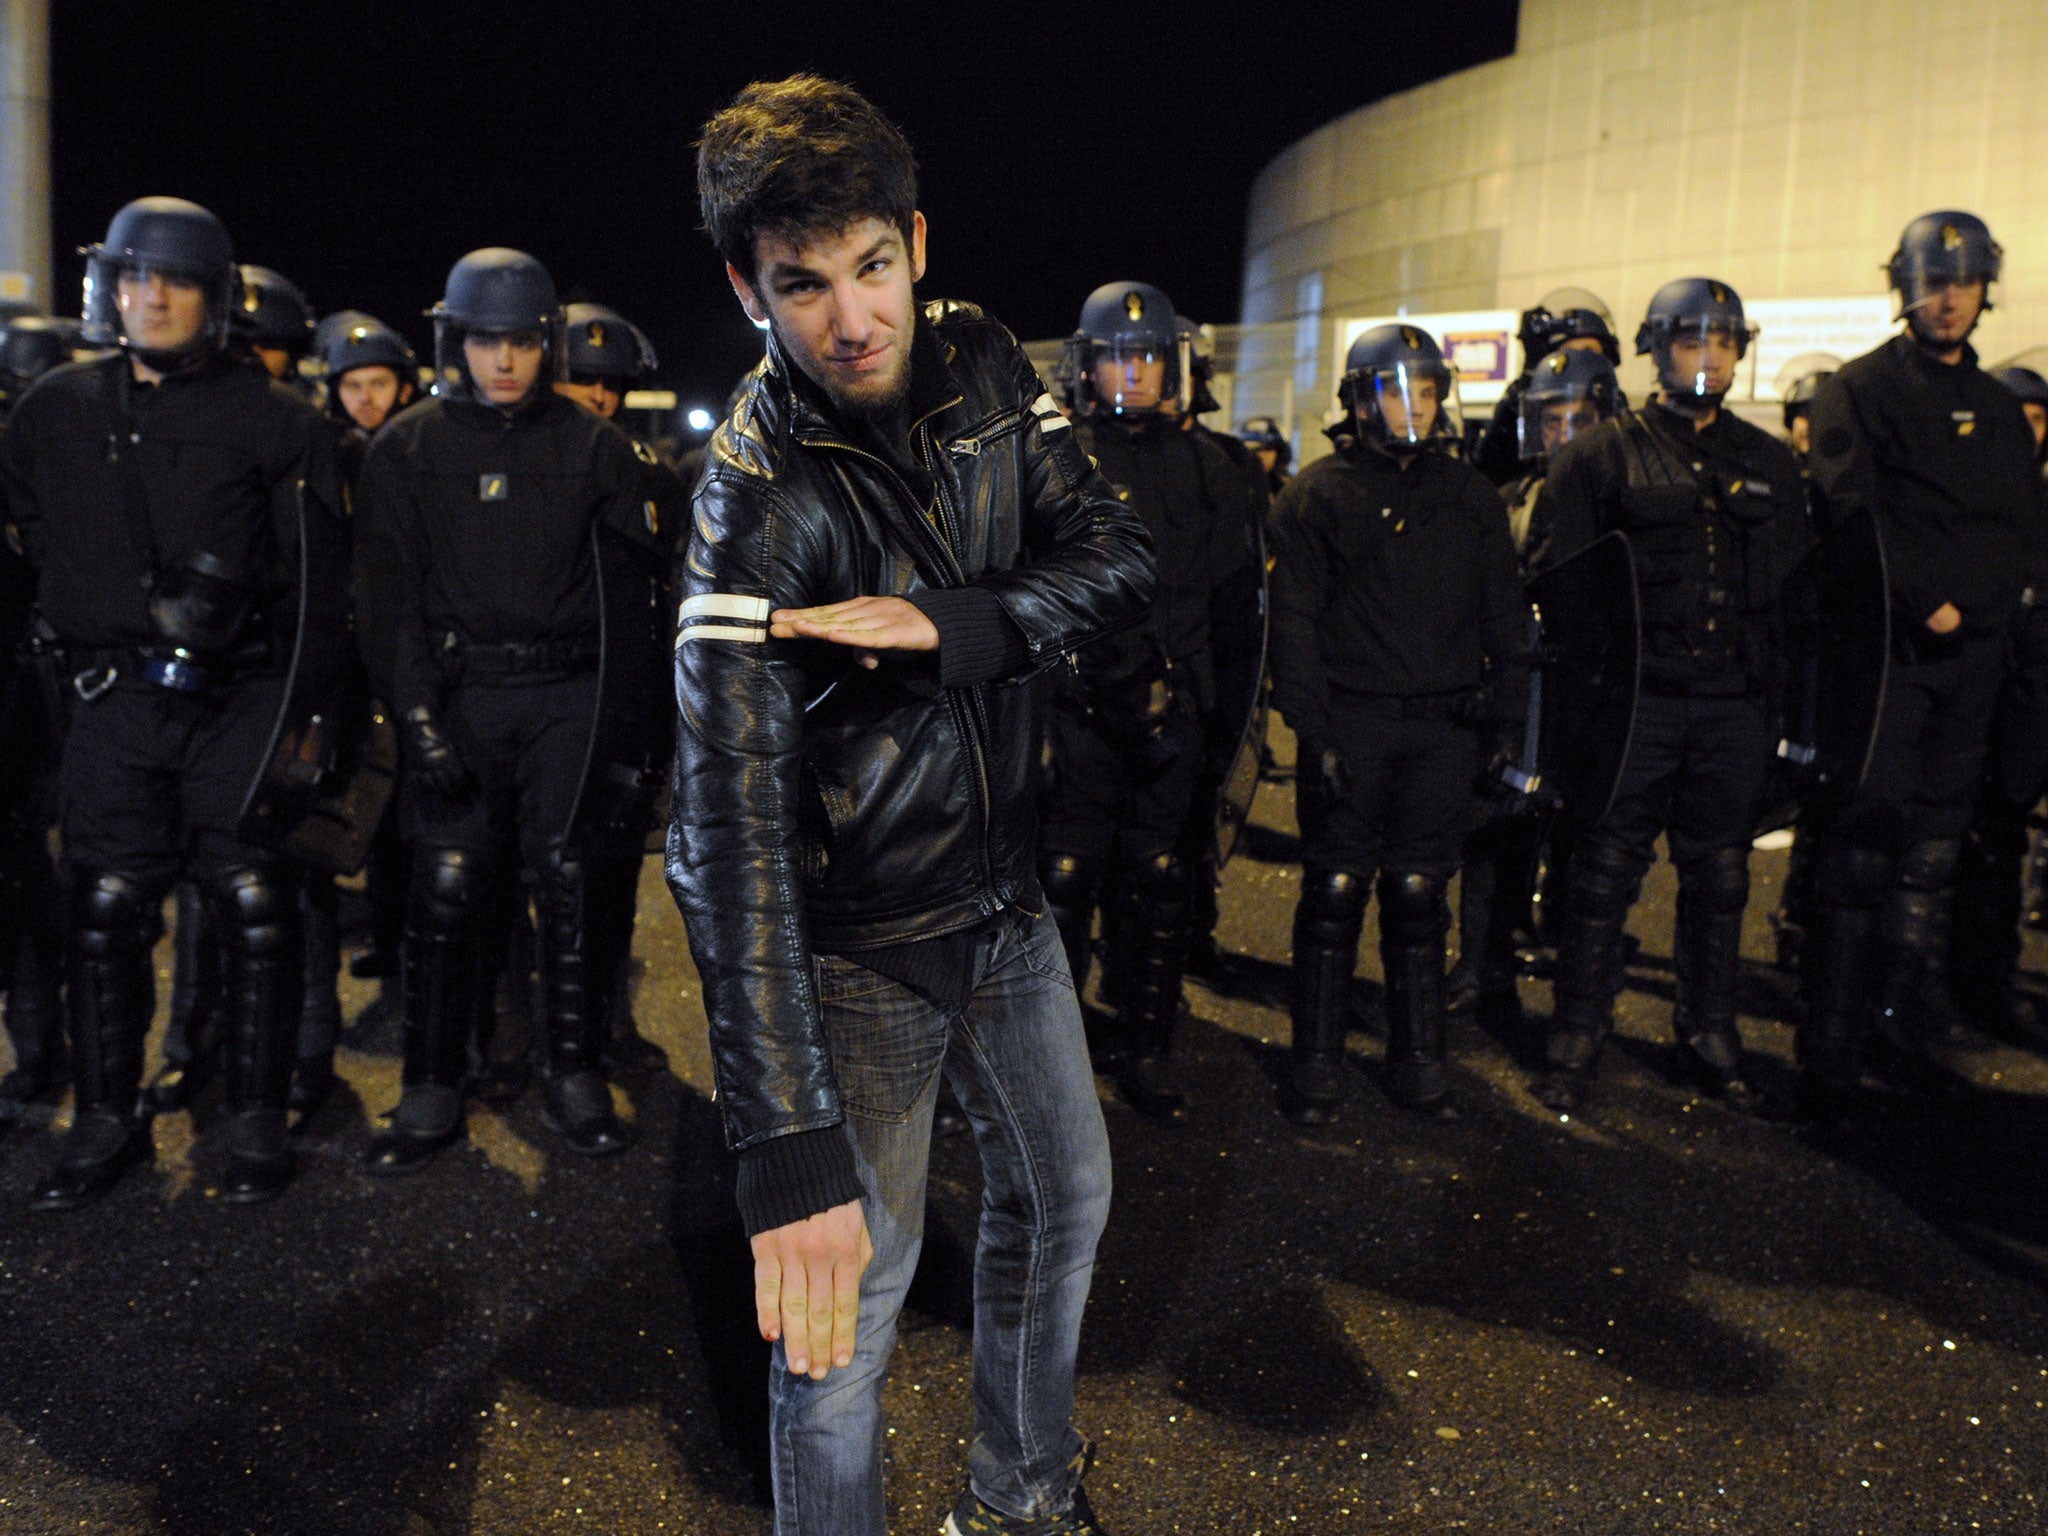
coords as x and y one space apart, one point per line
1779 145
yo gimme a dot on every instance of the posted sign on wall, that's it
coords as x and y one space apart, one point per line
1479 343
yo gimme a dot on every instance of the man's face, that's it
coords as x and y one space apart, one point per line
277 362
1416 411
594 394
1582 344
160 311
1948 312
1801 434
1134 383
2037 418
1268 457
1566 420
843 306
369 395
1711 353
504 367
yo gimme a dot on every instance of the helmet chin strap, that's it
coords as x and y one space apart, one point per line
169 360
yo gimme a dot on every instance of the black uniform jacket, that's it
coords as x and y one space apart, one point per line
1394 582
111 482
1944 456
1199 509
477 524
1717 521
820 806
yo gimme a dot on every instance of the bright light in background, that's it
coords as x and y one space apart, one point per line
699 419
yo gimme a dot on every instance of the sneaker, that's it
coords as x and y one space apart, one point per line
971 1517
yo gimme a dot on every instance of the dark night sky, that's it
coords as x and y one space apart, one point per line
361 148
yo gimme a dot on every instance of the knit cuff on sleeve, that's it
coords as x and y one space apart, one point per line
787 1178
977 641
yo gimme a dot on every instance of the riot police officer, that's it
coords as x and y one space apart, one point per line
30 346
371 374
487 516
1716 518
1275 453
1985 953
1797 410
169 496
609 356
1126 733
1568 393
1915 443
1565 318
1398 649
274 320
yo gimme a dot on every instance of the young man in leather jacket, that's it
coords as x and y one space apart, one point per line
895 531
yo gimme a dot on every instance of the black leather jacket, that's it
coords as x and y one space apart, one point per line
820 806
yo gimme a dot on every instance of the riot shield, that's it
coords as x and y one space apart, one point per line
1589 659
632 732
328 770
1242 692
1854 647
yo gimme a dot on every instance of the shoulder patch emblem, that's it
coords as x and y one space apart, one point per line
492 487
645 453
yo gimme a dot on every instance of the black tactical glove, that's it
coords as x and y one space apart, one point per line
430 755
1327 772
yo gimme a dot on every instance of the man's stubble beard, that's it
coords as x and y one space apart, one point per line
865 406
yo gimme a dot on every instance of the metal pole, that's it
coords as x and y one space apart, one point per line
25 151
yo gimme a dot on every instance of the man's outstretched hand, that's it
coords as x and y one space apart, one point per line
870 624
807 1286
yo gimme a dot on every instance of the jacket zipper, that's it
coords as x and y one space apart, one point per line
971 725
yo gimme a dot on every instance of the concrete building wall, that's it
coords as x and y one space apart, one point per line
1777 144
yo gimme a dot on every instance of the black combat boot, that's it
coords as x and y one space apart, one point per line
257 912
192 1041
1154 920
113 994
1841 951
442 986
1413 922
313 1077
1707 956
576 1098
1327 923
1589 971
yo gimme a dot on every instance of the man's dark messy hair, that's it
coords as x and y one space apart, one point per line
798 158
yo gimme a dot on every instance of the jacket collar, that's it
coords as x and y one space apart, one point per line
933 388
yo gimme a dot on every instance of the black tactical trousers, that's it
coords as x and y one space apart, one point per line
1695 772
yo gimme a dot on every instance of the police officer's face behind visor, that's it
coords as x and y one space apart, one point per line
1133 382
1410 412
368 395
504 367
160 311
843 306
1703 361
1944 313
1566 420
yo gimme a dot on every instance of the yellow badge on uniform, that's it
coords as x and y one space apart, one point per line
492 487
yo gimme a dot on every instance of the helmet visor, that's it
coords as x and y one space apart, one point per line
1553 418
1410 403
1698 356
1135 371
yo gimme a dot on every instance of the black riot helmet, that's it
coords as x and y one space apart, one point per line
1394 374
168 235
2032 390
1941 248
370 343
1264 432
30 346
1566 314
1570 391
273 311
1128 325
1800 380
1693 307
495 291
604 344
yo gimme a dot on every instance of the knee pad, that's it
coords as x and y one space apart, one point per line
1068 880
256 904
1412 909
1604 874
111 911
1853 874
1717 881
1332 908
448 883
1930 865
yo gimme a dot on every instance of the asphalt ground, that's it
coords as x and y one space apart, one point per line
1658 1316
